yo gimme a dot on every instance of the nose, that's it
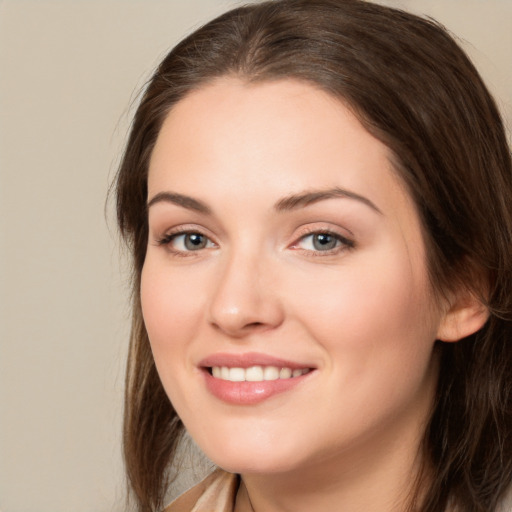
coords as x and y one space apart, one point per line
245 299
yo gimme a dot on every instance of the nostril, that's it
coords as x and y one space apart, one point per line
241 330
255 326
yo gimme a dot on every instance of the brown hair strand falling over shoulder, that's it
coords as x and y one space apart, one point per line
414 89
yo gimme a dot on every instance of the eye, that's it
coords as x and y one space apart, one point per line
186 242
323 241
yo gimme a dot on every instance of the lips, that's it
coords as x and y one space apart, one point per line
250 378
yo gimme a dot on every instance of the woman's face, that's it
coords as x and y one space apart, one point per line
285 288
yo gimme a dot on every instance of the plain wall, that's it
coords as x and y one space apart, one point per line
68 73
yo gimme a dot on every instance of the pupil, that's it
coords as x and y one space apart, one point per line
195 241
324 242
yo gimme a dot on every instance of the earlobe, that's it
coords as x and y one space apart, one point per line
464 317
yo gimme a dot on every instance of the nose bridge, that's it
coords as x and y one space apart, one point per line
244 298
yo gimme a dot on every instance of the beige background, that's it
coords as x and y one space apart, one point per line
68 72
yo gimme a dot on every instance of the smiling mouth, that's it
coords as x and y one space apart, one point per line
256 373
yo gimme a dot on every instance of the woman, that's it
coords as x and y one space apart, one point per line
318 197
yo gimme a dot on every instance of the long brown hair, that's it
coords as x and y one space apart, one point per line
414 89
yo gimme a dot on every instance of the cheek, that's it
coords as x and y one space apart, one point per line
171 307
377 339
371 310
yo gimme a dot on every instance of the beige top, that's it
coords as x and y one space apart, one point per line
216 493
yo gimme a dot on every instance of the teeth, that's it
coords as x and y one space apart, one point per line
256 373
271 373
236 374
285 373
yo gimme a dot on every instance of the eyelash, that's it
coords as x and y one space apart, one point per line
344 243
167 240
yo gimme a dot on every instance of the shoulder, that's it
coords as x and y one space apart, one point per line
506 504
216 492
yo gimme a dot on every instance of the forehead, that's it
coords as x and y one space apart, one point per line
234 143
252 131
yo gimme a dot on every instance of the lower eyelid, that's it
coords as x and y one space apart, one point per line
343 242
169 242
184 235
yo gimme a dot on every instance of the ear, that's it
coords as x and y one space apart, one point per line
465 315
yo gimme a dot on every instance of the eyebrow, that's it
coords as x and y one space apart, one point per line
180 200
288 203
310 197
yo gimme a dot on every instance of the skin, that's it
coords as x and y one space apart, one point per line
362 314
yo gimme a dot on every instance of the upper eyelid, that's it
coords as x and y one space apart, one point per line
160 227
303 231
184 229
324 227
349 242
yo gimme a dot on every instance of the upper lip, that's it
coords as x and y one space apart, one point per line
248 359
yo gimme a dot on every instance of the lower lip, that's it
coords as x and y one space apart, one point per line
250 393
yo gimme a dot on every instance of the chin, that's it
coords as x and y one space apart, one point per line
237 454
262 464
